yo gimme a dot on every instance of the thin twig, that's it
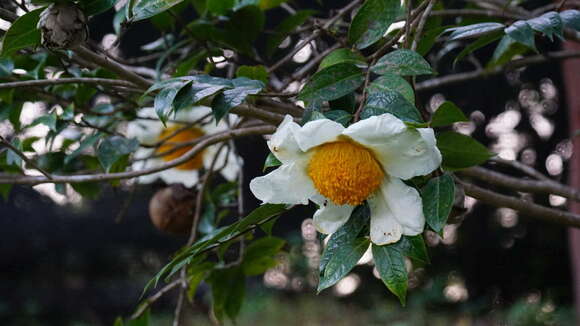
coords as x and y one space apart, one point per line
50 82
522 167
24 157
421 25
149 301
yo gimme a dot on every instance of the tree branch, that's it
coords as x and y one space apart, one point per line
24 157
49 82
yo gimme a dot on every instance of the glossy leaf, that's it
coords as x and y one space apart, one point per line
549 24
163 103
521 32
339 116
505 51
95 7
271 161
342 56
460 151
114 148
228 287
234 97
571 19
414 247
474 31
481 42
260 255
219 7
148 8
438 196
391 82
390 263
391 102
332 83
22 33
89 190
253 72
372 21
447 113
402 62
343 260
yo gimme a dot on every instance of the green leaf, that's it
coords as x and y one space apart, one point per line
84 144
571 19
481 42
549 24
428 39
230 98
113 149
89 190
390 102
6 67
346 103
12 158
447 113
344 235
5 190
332 82
287 26
268 226
505 51
402 62
461 151
414 247
259 255
48 120
22 33
390 263
163 103
197 273
148 8
253 72
342 261
372 21
95 7
339 116
341 56
473 31
521 32
390 82
220 7
271 161
269 4
438 196
228 288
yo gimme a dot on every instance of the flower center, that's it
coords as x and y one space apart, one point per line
173 145
345 172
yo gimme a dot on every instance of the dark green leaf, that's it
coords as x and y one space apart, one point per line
12 158
332 83
346 103
95 7
402 62
84 144
372 21
234 97
113 148
22 33
259 255
414 247
521 32
461 151
339 116
390 263
571 19
163 103
343 259
390 82
505 51
481 42
148 8
5 190
473 31
228 290
341 56
438 196
344 235
447 113
196 274
288 25
6 67
268 226
48 120
220 7
269 4
549 24
89 190
428 39
253 72
390 102
271 161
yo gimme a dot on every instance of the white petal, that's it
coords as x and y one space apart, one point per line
318 132
188 178
232 166
288 184
329 217
403 152
146 131
283 143
193 114
406 205
384 226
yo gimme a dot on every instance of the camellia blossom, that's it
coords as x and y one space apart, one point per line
339 168
150 131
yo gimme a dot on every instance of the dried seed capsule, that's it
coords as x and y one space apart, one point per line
171 209
63 26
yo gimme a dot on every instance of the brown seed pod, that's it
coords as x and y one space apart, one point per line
63 26
171 209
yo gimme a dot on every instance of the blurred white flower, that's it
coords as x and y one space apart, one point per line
151 131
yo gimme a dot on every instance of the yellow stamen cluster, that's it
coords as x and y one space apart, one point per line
175 140
345 172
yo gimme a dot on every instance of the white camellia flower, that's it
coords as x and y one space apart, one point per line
150 132
339 168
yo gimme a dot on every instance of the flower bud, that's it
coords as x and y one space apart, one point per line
171 209
63 26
